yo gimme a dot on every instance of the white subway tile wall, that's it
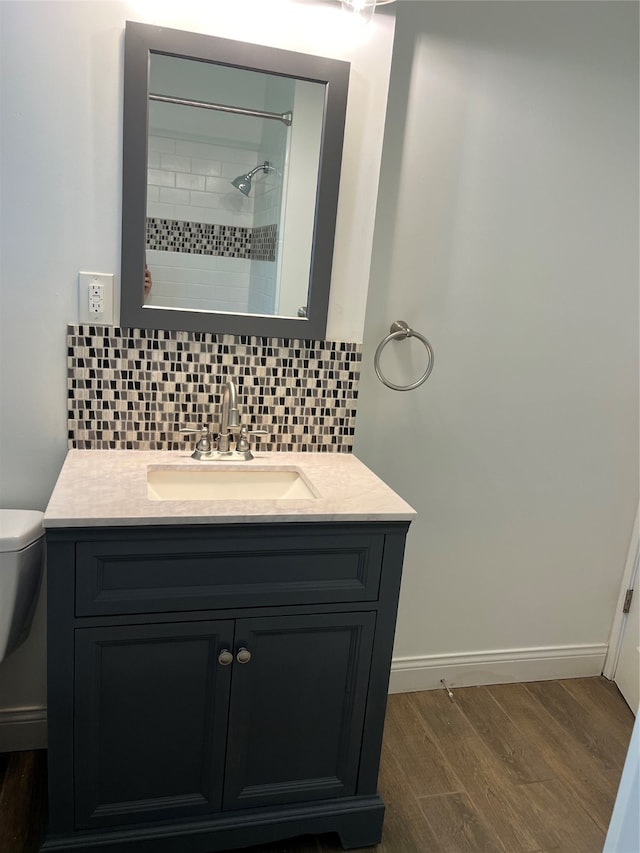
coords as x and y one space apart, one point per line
192 209
267 189
262 294
201 282
194 182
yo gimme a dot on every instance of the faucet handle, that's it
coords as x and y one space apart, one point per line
242 445
204 443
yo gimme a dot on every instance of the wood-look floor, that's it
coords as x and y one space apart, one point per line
511 768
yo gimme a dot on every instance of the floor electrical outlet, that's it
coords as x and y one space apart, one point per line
95 298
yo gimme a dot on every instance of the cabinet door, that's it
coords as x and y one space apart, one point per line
151 707
297 707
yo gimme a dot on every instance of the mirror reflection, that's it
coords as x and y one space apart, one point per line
232 177
230 174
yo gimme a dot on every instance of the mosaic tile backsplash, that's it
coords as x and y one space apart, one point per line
197 238
132 389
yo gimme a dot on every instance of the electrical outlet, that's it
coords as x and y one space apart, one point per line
95 298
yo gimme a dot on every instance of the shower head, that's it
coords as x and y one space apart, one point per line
243 182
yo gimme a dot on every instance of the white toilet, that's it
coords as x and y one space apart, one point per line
21 561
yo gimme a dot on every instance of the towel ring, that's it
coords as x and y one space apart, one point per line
398 332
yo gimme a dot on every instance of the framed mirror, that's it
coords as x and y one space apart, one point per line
231 167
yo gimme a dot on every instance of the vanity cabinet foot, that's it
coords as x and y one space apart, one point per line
204 728
364 832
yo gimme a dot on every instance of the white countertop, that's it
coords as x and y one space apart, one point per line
108 488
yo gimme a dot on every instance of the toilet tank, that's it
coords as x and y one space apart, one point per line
21 563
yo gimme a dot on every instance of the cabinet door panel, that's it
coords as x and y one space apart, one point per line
295 720
151 708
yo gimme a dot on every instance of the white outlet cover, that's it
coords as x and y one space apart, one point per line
87 300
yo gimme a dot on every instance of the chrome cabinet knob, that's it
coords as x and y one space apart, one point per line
225 657
243 656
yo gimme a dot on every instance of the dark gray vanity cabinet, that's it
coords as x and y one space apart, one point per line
218 686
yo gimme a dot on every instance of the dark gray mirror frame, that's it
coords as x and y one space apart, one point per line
140 41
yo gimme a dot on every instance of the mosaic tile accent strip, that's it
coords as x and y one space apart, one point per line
198 238
132 389
263 242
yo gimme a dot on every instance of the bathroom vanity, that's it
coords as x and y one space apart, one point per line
218 668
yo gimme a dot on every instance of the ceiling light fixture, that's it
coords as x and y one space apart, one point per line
363 9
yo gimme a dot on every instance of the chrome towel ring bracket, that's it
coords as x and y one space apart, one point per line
398 332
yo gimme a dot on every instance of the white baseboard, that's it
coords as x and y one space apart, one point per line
23 728
496 667
26 728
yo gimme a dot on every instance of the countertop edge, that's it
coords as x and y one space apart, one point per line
61 523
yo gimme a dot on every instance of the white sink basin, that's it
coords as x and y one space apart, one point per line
215 484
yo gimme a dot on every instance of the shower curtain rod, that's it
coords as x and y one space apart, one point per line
286 118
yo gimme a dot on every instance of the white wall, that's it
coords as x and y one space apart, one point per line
61 184
184 78
507 233
61 131
295 243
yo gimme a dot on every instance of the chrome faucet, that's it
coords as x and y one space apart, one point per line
230 426
230 416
